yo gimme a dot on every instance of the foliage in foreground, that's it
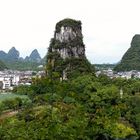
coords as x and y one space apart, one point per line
86 108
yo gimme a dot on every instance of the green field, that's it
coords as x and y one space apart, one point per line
11 96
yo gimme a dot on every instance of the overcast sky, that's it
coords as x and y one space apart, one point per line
108 25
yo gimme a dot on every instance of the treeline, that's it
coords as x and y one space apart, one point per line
84 108
21 65
104 66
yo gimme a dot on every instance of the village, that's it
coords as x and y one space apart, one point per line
11 78
126 74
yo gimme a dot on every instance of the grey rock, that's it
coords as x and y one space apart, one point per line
67 45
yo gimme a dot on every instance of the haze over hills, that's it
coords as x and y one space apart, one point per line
13 60
14 55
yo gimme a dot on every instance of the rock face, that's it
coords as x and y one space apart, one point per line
66 53
131 59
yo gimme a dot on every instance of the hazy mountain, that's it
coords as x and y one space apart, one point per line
34 56
13 60
26 58
13 54
3 55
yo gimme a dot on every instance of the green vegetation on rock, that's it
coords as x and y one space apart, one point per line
21 65
2 65
74 24
14 62
131 59
66 53
83 107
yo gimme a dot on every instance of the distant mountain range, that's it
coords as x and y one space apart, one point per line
14 55
34 56
12 60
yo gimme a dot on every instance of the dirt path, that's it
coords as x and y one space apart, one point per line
8 114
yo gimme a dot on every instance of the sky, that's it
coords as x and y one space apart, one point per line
107 25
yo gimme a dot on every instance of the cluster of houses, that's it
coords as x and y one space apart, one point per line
128 74
10 78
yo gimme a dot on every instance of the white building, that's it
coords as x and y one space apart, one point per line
6 82
15 80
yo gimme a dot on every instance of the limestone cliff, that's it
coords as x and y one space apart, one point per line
131 59
66 53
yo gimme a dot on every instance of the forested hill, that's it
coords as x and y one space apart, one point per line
131 59
14 55
2 65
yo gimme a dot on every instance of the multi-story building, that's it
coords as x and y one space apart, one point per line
10 78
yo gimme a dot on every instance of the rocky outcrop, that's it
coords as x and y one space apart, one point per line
67 34
66 53
131 59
